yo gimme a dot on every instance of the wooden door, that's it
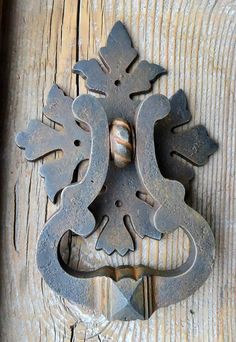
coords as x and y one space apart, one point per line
41 40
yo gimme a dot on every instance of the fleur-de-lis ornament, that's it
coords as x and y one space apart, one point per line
109 142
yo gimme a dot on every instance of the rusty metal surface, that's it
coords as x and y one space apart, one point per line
120 187
39 140
194 145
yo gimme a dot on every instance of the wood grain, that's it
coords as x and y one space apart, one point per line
195 41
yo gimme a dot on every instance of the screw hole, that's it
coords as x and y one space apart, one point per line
76 142
117 83
118 204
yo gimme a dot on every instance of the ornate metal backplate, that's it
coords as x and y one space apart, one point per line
110 178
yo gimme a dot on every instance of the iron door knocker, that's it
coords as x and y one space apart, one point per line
129 180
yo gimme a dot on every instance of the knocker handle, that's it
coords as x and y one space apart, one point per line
167 286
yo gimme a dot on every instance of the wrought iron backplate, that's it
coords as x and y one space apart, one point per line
110 177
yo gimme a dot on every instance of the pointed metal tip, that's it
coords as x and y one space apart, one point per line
76 68
163 71
54 89
118 23
180 93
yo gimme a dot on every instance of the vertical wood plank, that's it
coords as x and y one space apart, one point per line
39 48
195 41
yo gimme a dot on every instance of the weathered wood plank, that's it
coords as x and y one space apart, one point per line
39 48
195 41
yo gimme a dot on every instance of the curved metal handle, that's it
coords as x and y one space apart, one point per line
172 213
74 213
128 283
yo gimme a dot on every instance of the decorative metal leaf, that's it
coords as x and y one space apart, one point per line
113 79
119 205
39 140
123 206
194 145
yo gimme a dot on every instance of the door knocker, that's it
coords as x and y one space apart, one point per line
129 181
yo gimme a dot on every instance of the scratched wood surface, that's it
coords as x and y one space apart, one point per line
195 42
